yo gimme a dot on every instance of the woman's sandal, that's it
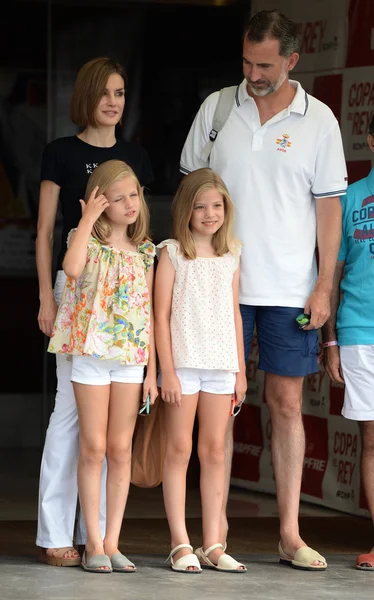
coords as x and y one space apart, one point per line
226 563
120 563
96 563
182 564
303 559
58 559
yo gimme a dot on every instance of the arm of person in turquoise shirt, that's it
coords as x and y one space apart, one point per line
331 354
329 231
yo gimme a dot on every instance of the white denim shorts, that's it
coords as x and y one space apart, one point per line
98 371
205 380
358 372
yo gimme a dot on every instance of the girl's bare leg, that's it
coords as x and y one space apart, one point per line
213 412
92 404
123 410
179 426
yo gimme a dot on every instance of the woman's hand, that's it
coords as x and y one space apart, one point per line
47 315
94 207
150 389
171 390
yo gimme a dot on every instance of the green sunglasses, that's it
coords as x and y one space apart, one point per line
146 408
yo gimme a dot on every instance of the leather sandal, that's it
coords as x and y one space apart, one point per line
120 563
365 562
182 564
225 563
96 563
57 559
303 559
199 553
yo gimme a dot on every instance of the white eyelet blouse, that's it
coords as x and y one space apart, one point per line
202 322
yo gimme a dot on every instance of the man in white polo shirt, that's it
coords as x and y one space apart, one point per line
280 154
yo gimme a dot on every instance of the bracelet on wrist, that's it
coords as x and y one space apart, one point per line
332 343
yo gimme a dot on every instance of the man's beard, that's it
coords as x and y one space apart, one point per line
268 87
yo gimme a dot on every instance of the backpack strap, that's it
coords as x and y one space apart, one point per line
221 114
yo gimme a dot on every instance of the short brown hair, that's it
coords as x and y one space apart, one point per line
275 25
190 188
89 88
105 175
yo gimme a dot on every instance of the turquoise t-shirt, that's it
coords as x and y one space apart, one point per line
355 319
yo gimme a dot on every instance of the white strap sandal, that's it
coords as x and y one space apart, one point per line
182 564
199 553
225 562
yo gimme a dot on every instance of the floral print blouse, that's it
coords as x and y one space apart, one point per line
105 313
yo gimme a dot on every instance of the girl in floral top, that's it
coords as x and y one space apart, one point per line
104 322
199 338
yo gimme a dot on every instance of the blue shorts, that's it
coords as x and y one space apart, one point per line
284 349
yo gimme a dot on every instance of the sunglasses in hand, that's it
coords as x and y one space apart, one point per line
236 408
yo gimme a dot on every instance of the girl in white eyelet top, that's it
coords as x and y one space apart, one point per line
199 339
202 321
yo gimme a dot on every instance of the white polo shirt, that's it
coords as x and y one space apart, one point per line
273 172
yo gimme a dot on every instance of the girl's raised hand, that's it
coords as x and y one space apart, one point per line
94 207
171 391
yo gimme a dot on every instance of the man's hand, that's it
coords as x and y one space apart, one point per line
318 306
331 360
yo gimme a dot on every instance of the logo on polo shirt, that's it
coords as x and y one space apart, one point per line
283 142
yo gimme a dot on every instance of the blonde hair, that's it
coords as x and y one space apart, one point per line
89 88
104 176
190 188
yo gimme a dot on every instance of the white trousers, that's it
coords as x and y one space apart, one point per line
58 487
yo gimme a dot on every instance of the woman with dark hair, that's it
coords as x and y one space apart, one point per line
97 106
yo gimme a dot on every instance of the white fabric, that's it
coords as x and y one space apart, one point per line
273 173
358 371
204 380
202 322
94 371
58 488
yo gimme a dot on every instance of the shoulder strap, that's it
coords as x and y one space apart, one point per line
221 114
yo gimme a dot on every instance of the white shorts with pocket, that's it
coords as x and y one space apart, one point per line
205 380
98 371
358 371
